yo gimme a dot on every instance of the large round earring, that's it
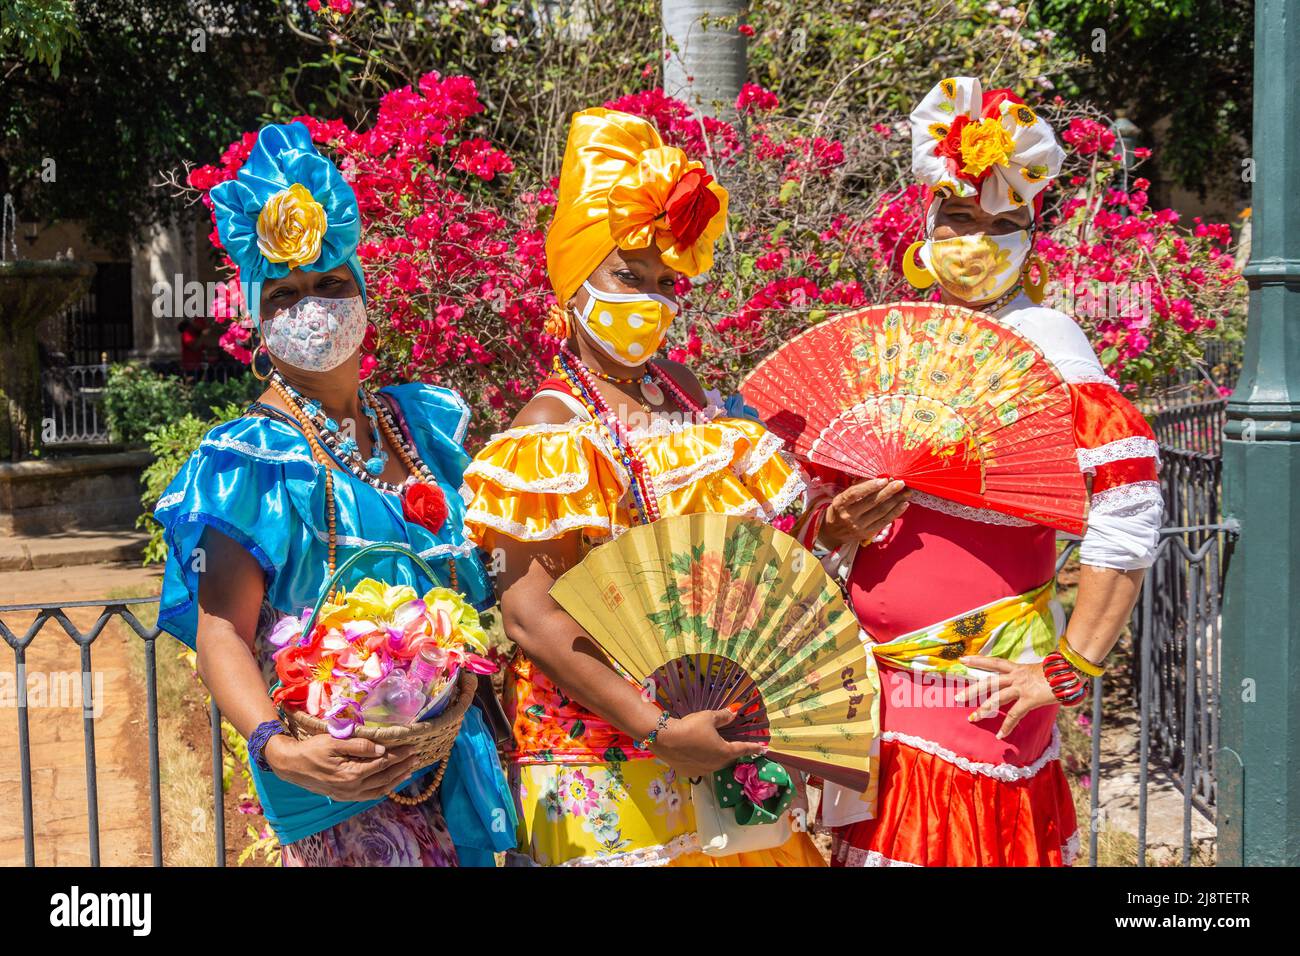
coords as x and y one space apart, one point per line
1034 288
252 365
918 275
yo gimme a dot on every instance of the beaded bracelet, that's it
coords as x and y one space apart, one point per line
257 742
651 737
1077 660
1064 680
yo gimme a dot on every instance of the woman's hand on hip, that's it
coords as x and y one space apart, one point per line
692 746
1023 686
861 511
352 769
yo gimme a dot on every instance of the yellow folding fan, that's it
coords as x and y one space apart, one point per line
709 611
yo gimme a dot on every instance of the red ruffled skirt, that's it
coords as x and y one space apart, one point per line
952 794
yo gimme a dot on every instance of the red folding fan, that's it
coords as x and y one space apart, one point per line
949 401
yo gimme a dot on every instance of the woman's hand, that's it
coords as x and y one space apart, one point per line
692 746
1024 686
861 511
352 769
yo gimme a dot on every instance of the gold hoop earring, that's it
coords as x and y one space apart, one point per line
1034 289
252 365
919 276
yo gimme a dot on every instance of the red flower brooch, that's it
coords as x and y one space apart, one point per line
425 505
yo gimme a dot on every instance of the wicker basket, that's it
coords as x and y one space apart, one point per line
432 738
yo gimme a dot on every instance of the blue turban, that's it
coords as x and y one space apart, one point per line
283 157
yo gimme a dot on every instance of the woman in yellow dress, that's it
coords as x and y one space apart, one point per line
614 438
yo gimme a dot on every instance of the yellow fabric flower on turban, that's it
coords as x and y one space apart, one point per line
620 186
985 144
290 227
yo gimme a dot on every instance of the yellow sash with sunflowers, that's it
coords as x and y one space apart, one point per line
1019 628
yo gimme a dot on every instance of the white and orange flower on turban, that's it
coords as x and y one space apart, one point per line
621 187
967 142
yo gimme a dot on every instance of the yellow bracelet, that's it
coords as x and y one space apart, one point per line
1077 660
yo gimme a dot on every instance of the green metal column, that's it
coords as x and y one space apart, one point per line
1259 757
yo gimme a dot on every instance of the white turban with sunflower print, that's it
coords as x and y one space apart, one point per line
966 142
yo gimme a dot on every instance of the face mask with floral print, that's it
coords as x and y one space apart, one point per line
979 267
316 334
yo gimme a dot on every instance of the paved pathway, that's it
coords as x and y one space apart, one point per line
57 740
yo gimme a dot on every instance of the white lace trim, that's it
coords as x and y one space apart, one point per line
711 463
1002 772
857 857
1070 849
461 550
562 484
792 489
166 501
541 428
760 454
443 550
1123 498
256 451
864 858
1135 446
659 427
1092 378
969 512
659 855
566 483
561 526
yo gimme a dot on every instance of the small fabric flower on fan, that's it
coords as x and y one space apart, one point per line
758 788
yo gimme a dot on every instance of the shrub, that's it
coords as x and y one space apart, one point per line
137 400
171 444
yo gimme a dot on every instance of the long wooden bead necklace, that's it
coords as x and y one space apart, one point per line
409 457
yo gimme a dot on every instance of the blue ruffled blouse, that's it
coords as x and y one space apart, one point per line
254 479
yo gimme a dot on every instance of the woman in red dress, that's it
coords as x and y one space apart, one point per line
969 758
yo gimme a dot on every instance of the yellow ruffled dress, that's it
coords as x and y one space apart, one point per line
588 796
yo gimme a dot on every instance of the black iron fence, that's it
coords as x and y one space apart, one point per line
72 396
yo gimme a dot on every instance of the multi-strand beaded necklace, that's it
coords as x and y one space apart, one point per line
581 382
322 431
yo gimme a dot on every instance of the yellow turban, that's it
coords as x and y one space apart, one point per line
621 186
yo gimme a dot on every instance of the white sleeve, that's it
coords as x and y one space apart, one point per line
1123 527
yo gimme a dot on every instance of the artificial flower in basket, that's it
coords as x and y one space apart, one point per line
380 661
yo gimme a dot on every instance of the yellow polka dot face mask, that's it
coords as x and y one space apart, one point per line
628 327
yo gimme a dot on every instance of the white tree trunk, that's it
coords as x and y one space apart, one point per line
706 62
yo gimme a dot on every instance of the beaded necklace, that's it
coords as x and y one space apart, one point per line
367 470
650 389
581 381
990 308
405 452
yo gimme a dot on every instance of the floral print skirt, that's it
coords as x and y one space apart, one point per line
388 834
625 813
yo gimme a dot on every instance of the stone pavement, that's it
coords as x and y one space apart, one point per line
55 721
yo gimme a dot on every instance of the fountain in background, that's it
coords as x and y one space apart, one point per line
30 290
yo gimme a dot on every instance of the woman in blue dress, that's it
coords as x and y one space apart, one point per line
268 503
